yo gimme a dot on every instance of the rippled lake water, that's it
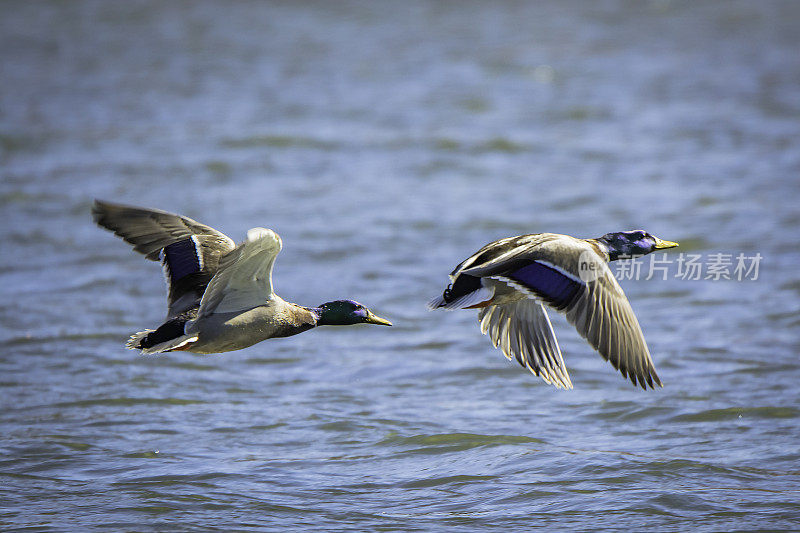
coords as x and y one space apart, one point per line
385 142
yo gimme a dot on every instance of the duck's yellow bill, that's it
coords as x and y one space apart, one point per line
660 244
375 319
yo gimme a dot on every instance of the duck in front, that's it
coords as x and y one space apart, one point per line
513 280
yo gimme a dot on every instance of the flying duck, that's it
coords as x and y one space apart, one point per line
220 295
513 280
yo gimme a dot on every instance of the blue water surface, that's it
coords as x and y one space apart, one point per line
385 142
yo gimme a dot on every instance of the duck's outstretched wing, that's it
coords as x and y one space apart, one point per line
244 278
603 316
190 252
522 330
569 276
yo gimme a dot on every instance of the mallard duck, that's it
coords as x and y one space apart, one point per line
220 295
512 280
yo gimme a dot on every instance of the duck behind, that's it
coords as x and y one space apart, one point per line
220 295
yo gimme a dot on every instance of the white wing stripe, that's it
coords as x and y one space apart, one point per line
197 251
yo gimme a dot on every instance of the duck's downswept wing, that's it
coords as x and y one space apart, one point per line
189 251
592 300
603 316
522 330
244 278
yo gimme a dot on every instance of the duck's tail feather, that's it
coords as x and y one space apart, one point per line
475 298
179 343
135 340
465 292
436 303
138 341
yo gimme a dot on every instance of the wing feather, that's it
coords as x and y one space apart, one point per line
613 329
150 230
190 252
523 332
244 279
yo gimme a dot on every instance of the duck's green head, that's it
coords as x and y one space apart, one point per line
347 312
626 244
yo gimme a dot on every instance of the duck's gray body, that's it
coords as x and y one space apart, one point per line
226 332
220 295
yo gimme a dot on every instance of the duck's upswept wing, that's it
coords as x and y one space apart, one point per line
151 230
244 278
522 330
589 295
189 251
